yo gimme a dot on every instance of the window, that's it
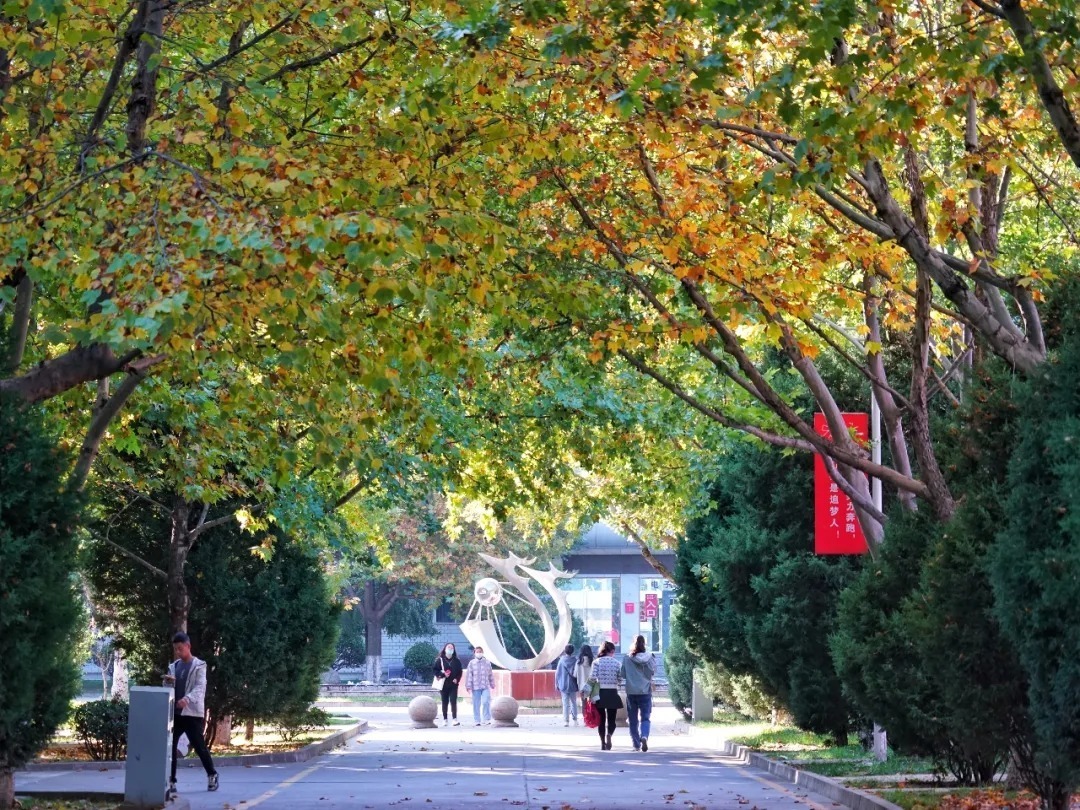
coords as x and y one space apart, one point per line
444 613
595 600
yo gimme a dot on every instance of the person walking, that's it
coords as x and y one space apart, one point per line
606 674
480 681
187 676
448 670
583 673
567 684
638 670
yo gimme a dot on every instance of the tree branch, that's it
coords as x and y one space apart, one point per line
153 569
98 425
647 553
1053 98
773 439
251 43
318 59
1017 351
20 325
128 42
861 501
79 365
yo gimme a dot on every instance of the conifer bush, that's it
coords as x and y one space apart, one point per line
40 615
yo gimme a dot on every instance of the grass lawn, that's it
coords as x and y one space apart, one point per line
26 803
960 799
790 740
65 748
865 766
374 700
789 743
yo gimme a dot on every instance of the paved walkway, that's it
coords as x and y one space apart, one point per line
540 766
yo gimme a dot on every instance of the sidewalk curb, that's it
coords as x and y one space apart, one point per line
821 785
309 751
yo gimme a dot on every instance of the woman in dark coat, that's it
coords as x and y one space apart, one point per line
448 669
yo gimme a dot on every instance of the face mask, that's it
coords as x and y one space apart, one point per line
449 650
479 655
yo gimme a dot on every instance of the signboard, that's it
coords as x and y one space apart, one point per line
836 528
651 607
629 607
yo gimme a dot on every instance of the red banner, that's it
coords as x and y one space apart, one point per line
836 527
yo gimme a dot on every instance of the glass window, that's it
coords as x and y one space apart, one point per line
653 613
595 600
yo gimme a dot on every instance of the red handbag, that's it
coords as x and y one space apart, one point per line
590 714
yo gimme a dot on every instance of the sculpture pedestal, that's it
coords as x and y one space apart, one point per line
528 688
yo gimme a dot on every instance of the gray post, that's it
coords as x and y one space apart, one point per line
701 707
149 746
881 738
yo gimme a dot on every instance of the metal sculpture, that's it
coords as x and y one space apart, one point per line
483 628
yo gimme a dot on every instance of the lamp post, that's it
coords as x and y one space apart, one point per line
881 742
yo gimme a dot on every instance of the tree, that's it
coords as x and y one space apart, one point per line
262 615
1036 563
267 622
917 645
679 664
754 598
351 651
40 617
751 176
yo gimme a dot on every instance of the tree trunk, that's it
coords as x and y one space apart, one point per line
249 730
7 788
223 730
179 546
373 639
120 677
375 603
143 98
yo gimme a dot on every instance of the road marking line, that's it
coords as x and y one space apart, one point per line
280 787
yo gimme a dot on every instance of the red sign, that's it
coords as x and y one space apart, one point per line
629 607
836 527
651 607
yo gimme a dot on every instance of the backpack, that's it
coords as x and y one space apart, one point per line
564 677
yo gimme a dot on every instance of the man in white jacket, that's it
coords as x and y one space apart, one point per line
187 674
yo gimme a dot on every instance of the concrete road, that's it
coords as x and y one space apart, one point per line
540 766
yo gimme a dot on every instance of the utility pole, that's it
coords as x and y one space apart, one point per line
881 741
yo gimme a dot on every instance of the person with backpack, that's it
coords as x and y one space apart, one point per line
583 673
638 670
567 684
